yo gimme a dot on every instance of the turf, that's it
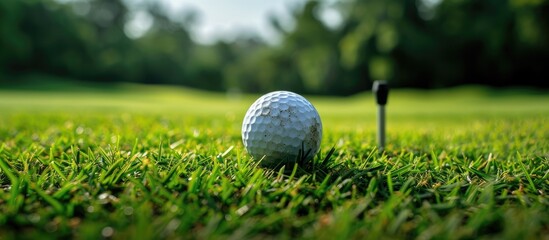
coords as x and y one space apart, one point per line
162 162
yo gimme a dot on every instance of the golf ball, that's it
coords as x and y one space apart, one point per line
279 126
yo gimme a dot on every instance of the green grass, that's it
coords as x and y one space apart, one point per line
164 162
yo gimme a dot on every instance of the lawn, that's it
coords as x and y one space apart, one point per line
139 162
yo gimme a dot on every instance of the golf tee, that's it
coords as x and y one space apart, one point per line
381 91
381 127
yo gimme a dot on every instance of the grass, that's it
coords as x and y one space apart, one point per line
163 162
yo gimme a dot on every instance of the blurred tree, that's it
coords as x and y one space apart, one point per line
306 61
414 43
440 43
111 47
367 38
314 48
164 51
496 43
13 42
42 36
260 69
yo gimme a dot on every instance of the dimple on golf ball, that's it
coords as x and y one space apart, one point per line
281 125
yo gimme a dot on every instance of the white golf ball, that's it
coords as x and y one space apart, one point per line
279 125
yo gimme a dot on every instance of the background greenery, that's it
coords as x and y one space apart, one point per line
413 43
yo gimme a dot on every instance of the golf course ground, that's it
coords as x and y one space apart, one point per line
161 162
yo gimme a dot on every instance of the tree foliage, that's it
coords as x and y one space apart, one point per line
422 43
